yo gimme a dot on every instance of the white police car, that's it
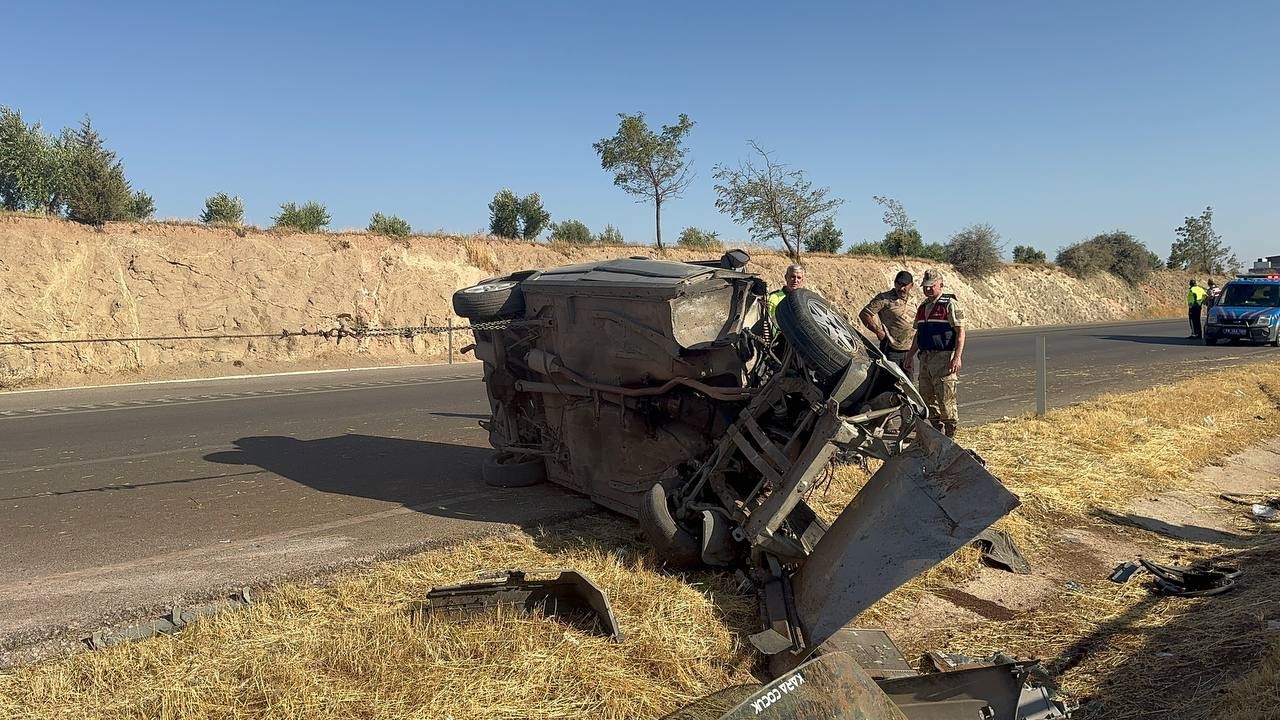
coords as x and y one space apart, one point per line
1248 309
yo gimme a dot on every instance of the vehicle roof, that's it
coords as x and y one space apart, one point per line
1256 279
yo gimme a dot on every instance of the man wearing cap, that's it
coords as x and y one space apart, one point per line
890 315
1196 296
939 342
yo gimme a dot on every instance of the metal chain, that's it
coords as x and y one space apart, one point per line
333 333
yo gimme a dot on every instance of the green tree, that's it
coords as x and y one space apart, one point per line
866 248
30 166
975 250
698 239
391 226
1028 255
533 217
571 231
504 214
141 206
647 163
902 239
933 251
95 187
903 243
774 202
1199 249
1115 252
308 217
610 236
826 239
222 209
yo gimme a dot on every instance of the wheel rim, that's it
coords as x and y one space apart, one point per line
835 326
490 287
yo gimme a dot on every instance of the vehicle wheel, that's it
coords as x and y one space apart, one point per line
1210 340
508 470
819 333
675 545
489 300
1276 342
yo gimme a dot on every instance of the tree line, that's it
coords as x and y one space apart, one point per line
73 174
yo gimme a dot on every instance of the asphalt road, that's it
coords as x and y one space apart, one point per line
119 499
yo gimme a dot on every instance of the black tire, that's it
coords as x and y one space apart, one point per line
1209 340
677 547
507 470
819 333
490 300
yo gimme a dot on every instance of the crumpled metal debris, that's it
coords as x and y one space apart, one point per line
1200 580
568 596
998 550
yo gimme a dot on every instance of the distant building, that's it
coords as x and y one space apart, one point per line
1271 262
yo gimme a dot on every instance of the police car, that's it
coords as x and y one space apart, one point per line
1248 309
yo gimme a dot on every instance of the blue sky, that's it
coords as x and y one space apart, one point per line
1053 122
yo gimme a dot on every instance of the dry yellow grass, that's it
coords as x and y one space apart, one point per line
349 649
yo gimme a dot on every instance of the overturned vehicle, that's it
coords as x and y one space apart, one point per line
663 391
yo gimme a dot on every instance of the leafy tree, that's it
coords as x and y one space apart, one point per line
1028 255
309 217
903 243
903 239
391 226
504 214
934 251
1199 248
533 217
866 248
827 238
1115 252
646 163
773 201
222 209
30 165
692 237
975 250
141 206
610 236
571 231
96 190
895 216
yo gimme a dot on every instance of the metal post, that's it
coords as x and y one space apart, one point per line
1042 378
450 339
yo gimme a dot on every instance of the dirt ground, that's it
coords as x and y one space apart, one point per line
60 280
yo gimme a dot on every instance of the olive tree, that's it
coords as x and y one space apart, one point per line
648 164
1199 249
775 202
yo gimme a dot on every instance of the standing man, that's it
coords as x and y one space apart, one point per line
1195 301
890 315
939 341
1214 292
793 279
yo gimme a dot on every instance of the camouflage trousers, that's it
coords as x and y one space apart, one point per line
939 390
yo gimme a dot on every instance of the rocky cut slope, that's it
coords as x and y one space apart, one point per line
59 280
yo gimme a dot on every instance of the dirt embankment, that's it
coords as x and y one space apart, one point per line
60 280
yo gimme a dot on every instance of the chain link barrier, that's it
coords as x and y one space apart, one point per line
329 334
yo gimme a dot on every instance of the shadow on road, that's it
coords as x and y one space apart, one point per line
1151 339
434 478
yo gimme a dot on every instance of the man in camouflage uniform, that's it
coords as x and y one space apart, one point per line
890 316
939 342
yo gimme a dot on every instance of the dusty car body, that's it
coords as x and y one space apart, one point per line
660 390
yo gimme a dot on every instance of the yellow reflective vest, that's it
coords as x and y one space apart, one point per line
774 299
1196 296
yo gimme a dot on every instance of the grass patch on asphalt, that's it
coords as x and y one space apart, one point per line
350 649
